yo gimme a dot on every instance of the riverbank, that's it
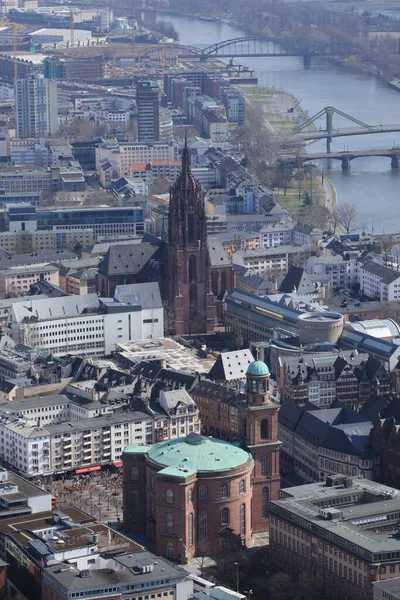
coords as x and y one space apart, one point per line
282 113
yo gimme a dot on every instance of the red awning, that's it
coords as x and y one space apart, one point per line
88 469
117 463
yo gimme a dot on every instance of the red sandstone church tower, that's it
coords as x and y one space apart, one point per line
188 278
258 419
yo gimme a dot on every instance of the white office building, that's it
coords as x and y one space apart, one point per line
88 325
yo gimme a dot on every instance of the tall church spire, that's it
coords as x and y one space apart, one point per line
188 270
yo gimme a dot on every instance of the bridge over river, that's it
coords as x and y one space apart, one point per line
345 157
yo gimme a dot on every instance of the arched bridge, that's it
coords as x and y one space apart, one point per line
251 46
345 157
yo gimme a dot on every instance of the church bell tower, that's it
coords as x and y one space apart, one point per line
188 282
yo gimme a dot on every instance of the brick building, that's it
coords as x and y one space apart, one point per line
190 496
252 419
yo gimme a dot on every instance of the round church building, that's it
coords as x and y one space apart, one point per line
191 496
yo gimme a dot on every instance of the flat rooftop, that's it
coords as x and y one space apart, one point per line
176 356
358 504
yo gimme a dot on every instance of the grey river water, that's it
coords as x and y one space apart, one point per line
371 184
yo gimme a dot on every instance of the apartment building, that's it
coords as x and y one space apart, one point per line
127 154
377 281
341 271
317 443
342 534
86 324
275 260
282 234
36 106
18 279
88 428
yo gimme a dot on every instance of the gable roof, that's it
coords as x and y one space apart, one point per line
131 259
231 365
297 278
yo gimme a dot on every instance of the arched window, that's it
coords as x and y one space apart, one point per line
264 465
134 473
193 301
191 224
135 506
169 522
243 519
225 490
152 505
190 529
225 516
242 487
264 429
190 495
192 269
223 281
264 502
170 550
169 496
203 492
203 526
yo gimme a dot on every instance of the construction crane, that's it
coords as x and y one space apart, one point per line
72 32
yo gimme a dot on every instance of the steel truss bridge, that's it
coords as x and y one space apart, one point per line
250 46
308 132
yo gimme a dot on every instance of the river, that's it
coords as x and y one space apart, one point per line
371 184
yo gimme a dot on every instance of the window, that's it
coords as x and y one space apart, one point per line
203 526
264 429
225 490
192 268
264 465
264 502
242 487
170 522
190 529
170 496
225 516
134 473
170 550
243 519
203 492
190 495
135 506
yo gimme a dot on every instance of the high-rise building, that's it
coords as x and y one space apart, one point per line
188 275
148 106
36 106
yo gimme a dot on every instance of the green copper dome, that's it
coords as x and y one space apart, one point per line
198 453
258 368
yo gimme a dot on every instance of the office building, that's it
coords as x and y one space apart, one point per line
341 534
106 221
87 324
148 106
36 107
321 442
21 497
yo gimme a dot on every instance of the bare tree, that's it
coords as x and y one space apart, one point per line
348 217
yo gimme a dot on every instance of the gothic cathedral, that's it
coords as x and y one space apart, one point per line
188 278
